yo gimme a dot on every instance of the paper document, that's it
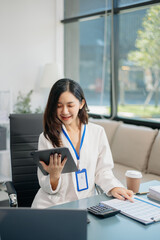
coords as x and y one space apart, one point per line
154 192
141 209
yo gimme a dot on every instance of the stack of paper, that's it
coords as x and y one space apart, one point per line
154 192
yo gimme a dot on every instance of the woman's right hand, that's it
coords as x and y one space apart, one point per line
54 168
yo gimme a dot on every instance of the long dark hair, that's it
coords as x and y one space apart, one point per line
52 125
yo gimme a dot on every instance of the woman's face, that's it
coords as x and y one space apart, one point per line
68 107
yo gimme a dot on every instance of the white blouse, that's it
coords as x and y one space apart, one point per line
95 157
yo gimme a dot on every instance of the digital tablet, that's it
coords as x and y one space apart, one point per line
44 155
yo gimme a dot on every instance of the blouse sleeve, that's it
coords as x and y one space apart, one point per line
104 175
44 181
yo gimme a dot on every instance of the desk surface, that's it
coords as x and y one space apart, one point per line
118 227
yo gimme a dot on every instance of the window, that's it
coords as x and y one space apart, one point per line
114 55
139 64
124 3
83 7
87 60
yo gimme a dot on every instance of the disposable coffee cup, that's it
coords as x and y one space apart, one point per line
133 179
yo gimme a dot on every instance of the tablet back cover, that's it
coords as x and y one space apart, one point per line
44 155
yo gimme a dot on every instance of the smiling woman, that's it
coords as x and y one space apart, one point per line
66 102
68 108
66 124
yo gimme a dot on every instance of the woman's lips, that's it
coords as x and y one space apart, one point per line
65 118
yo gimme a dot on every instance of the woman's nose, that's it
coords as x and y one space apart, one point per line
65 110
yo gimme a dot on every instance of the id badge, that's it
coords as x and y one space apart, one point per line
81 179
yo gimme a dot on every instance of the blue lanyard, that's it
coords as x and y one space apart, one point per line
69 140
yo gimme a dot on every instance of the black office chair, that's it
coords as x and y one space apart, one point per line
24 132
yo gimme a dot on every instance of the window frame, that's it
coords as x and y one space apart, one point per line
114 12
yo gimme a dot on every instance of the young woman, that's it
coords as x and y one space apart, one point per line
66 124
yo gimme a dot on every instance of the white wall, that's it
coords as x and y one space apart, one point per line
30 34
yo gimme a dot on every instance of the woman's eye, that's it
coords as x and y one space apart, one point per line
59 106
70 106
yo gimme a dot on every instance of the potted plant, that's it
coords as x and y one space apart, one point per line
23 104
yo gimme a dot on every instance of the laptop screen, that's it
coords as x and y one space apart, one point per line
43 224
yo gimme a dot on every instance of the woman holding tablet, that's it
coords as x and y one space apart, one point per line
66 125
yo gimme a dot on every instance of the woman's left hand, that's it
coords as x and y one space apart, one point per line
122 193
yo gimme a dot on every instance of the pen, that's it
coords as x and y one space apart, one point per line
141 193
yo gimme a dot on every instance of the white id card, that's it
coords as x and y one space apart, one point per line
81 179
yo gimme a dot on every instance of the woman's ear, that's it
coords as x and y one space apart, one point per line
82 104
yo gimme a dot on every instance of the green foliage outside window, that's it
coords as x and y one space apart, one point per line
147 54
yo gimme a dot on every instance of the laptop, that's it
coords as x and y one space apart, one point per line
42 224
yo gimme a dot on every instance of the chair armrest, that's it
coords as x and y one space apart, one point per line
11 194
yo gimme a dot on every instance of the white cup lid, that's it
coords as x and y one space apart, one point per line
133 174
